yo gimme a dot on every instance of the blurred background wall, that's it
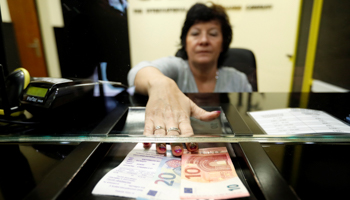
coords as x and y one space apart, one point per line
297 44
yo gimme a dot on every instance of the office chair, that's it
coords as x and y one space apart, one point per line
242 60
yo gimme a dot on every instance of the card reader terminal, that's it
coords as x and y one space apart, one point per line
48 93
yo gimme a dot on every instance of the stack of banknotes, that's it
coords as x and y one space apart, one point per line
205 174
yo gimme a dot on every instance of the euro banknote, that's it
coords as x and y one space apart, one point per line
166 181
210 174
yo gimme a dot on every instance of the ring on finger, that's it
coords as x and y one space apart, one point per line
159 127
173 129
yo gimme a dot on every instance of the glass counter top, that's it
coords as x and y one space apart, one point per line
197 138
121 119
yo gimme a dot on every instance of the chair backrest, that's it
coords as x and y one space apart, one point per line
242 60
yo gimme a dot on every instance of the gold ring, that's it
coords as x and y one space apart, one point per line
173 129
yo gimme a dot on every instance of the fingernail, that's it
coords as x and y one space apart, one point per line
147 145
177 149
161 148
192 146
218 111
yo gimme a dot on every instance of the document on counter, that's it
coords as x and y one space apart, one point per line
132 176
291 121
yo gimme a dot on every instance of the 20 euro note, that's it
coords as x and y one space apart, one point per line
166 181
210 174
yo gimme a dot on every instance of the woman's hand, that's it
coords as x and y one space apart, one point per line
168 113
168 110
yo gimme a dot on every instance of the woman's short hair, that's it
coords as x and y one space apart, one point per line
202 13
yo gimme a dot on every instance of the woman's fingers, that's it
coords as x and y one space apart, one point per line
186 128
149 127
192 146
147 145
159 130
177 149
171 117
159 125
209 116
161 148
171 121
202 114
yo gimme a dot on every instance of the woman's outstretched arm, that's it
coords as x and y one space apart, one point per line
167 106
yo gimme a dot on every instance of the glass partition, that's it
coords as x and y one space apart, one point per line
124 121
73 37
77 35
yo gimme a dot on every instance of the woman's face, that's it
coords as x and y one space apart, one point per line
204 42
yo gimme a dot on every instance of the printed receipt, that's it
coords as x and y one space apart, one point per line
132 175
298 121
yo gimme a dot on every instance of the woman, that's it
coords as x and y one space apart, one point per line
205 37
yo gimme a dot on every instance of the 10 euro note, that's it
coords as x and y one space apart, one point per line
166 181
210 174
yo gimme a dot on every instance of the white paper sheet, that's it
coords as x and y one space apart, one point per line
132 175
292 121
